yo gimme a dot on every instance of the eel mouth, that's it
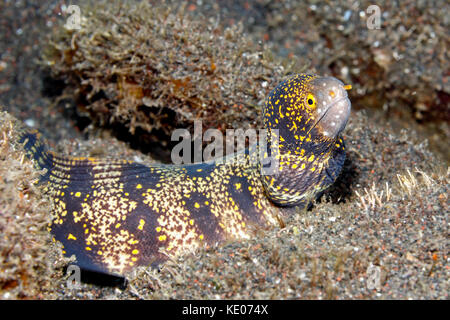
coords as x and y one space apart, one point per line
334 106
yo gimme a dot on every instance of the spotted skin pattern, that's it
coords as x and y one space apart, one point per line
309 160
117 214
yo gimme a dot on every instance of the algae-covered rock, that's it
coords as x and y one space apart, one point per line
379 232
155 67
29 261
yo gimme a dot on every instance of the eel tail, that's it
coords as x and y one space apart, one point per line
36 149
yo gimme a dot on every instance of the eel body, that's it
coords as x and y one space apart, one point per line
115 215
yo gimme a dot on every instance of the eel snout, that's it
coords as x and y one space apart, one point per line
333 105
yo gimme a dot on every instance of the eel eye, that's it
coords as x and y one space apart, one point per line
311 101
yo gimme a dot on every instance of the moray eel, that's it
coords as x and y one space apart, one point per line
115 215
